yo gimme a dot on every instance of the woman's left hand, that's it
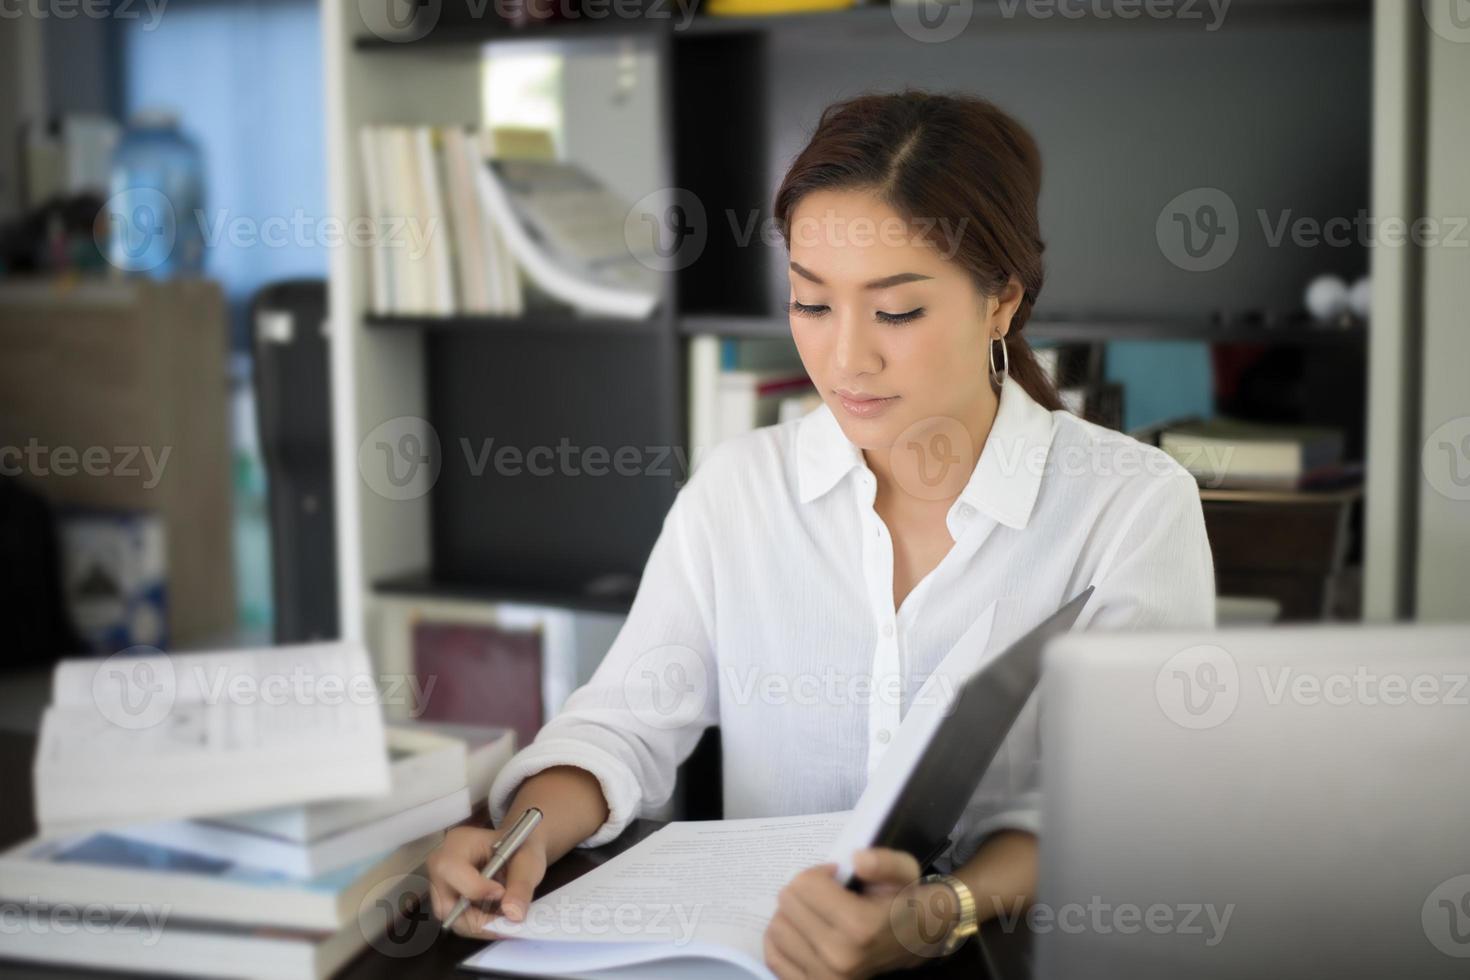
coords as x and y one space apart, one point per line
822 930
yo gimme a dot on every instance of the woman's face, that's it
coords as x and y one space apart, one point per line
893 333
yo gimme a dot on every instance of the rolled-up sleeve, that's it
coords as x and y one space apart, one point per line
654 693
1157 573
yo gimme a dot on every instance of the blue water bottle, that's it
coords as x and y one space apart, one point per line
156 206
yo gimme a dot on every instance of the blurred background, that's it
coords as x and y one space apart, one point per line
404 321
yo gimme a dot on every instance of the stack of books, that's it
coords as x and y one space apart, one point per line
461 232
234 814
1231 454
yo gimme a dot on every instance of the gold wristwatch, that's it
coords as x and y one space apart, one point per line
968 923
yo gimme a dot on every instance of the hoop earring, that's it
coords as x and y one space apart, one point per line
998 378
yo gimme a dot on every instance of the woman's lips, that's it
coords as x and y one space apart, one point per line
865 406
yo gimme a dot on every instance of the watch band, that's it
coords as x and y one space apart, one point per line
967 924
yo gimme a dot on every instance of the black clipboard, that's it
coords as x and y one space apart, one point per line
934 796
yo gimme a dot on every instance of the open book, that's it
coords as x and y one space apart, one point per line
694 898
132 739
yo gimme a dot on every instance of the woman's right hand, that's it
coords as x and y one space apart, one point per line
454 871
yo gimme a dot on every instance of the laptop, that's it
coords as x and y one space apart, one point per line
1288 802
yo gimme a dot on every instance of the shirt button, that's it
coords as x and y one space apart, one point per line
888 629
883 736
966 512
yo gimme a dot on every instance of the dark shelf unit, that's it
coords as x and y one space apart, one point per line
1098 329
557 322
871 20
426 585
728 128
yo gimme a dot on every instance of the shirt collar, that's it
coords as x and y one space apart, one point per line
1007 476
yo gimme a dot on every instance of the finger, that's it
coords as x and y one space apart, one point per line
439 900
782 965
885 865
472 844
523 874
472 923
841 909
831 943
463 880
795 947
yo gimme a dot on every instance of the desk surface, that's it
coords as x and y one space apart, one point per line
447 952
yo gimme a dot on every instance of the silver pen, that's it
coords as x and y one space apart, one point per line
503 851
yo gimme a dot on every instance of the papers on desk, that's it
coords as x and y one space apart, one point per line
693 898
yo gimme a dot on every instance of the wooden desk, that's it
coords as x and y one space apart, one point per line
447 952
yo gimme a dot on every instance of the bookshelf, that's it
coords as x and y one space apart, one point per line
733 99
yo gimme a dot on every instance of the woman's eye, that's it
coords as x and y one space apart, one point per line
913 314
801 309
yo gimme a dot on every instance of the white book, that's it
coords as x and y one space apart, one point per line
495 257
545 271
424 767
704 396
134 739
106 870
470 262
303 860
437 260
195 949
400 185
379 269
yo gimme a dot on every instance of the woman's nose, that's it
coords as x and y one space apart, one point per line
854 352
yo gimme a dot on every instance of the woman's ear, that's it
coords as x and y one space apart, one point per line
1006 303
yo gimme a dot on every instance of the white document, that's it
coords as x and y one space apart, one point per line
132 739
699 890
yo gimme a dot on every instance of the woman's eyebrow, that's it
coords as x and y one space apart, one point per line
884 283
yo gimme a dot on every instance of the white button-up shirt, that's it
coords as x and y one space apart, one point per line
767 608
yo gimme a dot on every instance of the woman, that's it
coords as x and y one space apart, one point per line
811 575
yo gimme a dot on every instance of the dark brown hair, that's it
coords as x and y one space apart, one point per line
955 158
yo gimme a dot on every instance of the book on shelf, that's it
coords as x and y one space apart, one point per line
131 739
1230 453
736 386
463 230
